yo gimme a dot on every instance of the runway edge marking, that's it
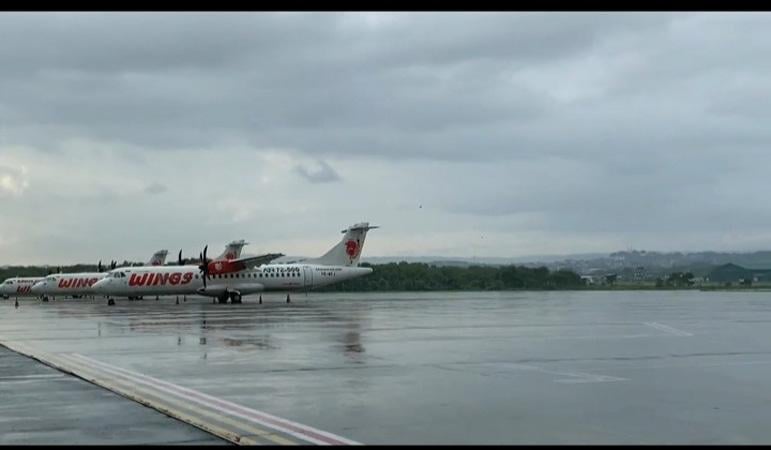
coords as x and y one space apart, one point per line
304 432
168 405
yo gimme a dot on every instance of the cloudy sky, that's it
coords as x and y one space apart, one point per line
461 134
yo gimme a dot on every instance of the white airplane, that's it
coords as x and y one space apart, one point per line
80 283
233 279
18 287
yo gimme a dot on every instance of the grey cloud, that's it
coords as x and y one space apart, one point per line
254 77
324 173
156 188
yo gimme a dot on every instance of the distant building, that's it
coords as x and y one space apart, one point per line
732 273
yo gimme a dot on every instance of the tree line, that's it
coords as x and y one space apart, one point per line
406 276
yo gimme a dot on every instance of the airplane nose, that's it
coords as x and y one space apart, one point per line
100 285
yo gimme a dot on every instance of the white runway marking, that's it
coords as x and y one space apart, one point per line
573 377
284 425
243 424
667 329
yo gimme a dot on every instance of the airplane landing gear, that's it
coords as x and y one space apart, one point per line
235 297
260 299
110 302
287 298
44 298
223 298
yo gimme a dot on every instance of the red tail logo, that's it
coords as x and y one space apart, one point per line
351 248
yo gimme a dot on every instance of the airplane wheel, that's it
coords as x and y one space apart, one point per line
235 298
45 299
110 302
223 298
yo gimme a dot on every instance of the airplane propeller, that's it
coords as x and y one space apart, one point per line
113 264
179 259
204 266
99 266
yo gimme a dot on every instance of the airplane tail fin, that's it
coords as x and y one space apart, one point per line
158 258
232 250
348 251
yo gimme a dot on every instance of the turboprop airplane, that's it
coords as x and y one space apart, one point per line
18 287
233 279
79 284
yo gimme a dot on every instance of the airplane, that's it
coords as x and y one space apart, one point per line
233 279
79 284
18 287
228 261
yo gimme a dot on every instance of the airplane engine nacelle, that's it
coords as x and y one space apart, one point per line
212 291
243 289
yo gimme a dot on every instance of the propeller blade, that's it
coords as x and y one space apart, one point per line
99 266
180 258
204 266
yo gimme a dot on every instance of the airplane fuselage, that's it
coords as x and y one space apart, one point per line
18 287
188 280
68 284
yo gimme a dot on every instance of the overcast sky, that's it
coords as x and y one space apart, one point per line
461 134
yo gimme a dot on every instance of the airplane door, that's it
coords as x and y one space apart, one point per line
308 277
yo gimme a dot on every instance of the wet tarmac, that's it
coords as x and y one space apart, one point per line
445 368
41 405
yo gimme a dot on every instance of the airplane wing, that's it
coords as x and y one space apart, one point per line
256 260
